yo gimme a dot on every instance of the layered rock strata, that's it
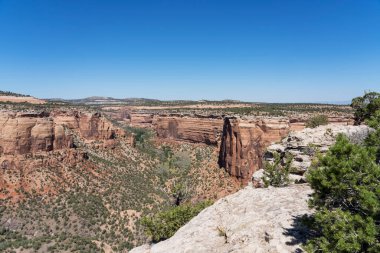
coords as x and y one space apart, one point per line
32 142
192 129
244 141
30 132
241 141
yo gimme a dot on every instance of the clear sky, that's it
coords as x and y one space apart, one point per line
267 50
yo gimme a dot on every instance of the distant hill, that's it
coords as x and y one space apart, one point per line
12 97
98 100
12 94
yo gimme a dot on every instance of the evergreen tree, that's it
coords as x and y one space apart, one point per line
346 185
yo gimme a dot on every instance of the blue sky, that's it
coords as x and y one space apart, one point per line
268 50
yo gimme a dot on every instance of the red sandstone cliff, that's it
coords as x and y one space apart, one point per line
244 141
29 132
241 141
33 142
193 129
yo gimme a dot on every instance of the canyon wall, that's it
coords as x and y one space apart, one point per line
193 129
22 133
141 120
90 126
30 132
243 142
38 148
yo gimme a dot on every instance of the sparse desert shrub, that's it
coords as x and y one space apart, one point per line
180 192
275 173
164 224
316 121
167 152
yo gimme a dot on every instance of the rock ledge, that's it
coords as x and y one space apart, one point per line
251 220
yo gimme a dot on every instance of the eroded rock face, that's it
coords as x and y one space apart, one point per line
23 132
141 120
251 220
91 126
196 129
30 141
193 129
244 141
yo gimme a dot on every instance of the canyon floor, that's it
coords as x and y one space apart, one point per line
78 175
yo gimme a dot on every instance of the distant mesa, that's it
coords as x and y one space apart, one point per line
11 97
99 100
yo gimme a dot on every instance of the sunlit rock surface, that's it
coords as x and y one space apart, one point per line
251 220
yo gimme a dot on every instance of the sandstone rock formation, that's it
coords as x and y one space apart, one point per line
92 126
303 145
251 220
193 129
241 141
190 128
22 133
31 142
30 132
244 141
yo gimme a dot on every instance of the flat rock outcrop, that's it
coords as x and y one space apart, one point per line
251 220
303 145
244 141
299 123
